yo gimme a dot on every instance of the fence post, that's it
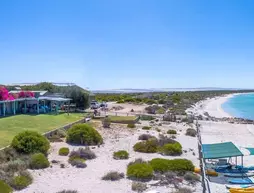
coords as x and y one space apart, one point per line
202 168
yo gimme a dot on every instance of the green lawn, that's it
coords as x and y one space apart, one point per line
10 126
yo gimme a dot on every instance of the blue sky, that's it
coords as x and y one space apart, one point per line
104 44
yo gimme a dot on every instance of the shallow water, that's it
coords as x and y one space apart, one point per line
241 106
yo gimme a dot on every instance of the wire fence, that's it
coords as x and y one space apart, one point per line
205 181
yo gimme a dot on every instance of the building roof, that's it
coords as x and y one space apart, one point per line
220 150
41 92
59 99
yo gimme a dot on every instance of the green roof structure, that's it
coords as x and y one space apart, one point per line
220 150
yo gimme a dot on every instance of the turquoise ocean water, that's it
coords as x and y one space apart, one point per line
241 106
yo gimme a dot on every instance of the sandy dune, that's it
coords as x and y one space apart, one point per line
88 180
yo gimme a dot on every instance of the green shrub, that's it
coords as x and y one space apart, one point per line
171 149
191 132
137 161
120 101
149 146
146 118
131 125
140 171
145 137
64 151
191 177
39 161
5 188
106 122
61 133
121 155
160 111
113 176
85 154
83 134
30 142
138 186
171 131
165 140
165 165
146 128
21 181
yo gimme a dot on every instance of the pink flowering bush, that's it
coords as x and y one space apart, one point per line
26 94
4 94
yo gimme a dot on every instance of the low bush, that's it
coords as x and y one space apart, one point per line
172 149
191 177
61 133
5 176
145 137
152 109
57 136
191 132
183 190
106 122
14 166
68 191
149 146
171 131
83 134
158 130
39 161
121 155
138 186
146 118
5 188
165 165
21 181
86 154
140 171
77 162
30 142
146 128
165 140
8 154
64 151
160 111
131 125
113 176
137 161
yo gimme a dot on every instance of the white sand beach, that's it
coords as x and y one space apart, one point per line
212 107
216 132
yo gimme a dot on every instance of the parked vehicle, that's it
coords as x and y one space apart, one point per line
94 105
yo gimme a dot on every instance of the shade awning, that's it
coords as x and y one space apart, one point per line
220 150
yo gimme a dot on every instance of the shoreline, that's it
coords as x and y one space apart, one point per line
213 106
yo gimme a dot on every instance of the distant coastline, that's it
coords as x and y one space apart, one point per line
129 90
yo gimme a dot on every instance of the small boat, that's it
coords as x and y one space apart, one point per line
241 190
209 172
234 170
239 175
228 186
249 180
245 167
